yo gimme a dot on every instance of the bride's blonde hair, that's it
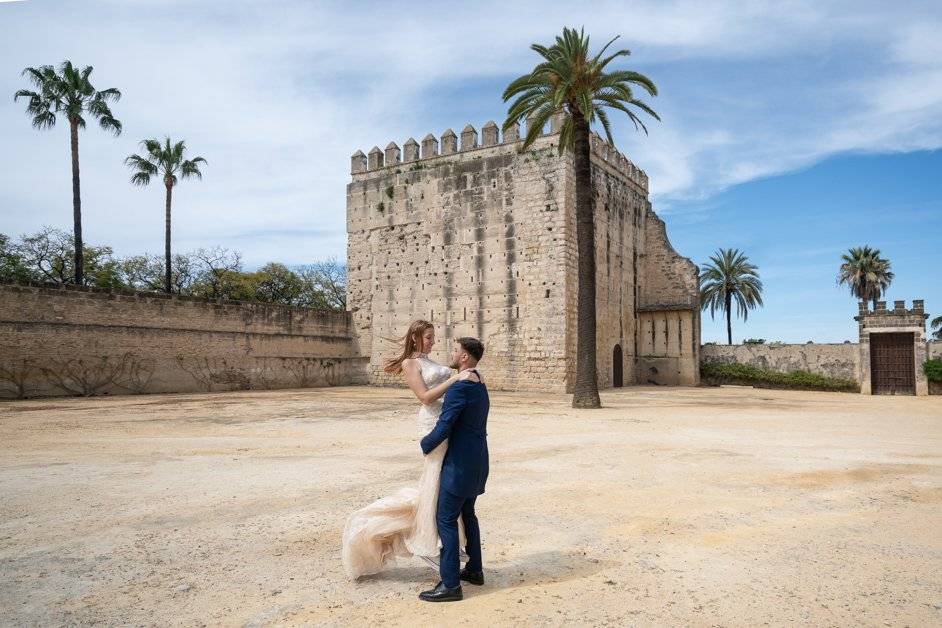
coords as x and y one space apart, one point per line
412 341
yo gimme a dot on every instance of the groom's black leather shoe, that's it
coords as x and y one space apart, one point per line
441 593
472 577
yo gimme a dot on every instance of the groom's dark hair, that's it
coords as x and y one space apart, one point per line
473 347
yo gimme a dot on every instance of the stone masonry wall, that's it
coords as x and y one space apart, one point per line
479 239
621 208
831 360
58 340
896 320
935 350
668 347
668 334
472 240
667 280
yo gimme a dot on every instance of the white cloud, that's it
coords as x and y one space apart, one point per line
278 95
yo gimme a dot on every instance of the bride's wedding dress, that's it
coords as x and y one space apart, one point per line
402 524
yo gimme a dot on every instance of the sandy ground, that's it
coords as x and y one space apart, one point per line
670 506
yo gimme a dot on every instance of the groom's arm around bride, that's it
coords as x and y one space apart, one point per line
452 406
463 422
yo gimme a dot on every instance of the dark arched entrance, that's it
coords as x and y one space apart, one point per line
616 367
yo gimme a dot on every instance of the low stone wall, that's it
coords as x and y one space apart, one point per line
831 360
64 340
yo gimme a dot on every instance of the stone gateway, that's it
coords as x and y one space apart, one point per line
480 239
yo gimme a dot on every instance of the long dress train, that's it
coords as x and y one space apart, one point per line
402 524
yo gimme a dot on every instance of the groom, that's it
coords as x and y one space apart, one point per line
463 422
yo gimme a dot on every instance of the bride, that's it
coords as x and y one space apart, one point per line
403 524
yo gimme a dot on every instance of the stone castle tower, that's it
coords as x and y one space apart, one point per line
479 238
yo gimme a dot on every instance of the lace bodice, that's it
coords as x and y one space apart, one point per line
433 374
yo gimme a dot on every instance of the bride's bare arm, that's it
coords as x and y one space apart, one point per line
413 373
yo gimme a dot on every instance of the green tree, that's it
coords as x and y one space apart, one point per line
276 283
239 286
47 255
165 161
865 272
146 272
12 267
726 278
216 271
68 91
572 83
325 285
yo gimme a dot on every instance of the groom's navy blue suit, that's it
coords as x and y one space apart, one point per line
463 422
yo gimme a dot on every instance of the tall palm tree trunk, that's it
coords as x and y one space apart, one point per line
77 206
168 288
729 319
586 393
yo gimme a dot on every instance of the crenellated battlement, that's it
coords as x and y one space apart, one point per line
490 137
613 157
899 308
465 229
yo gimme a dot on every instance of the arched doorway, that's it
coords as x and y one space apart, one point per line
616 367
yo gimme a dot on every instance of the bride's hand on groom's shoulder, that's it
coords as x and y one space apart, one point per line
469 375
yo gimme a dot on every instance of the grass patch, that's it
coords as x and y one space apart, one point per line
715 373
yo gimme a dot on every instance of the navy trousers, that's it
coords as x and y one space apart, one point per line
450 507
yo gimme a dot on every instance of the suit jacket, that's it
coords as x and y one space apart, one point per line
463 422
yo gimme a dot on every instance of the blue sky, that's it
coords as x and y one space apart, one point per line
791 130
795 226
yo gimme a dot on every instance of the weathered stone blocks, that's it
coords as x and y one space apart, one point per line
481 241
57 340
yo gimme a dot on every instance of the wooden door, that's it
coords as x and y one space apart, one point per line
892 365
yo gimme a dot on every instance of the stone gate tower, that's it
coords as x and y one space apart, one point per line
480 239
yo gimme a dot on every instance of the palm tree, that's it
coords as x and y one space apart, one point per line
936 325
68 91
865 272
166 161
729 276
570 82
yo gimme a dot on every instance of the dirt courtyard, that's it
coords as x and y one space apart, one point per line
695 506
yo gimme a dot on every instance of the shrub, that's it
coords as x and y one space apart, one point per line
745 374
754 341
933 369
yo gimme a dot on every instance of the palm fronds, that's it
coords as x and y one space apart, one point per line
164 160
570 82
729 278
67 91
865 272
